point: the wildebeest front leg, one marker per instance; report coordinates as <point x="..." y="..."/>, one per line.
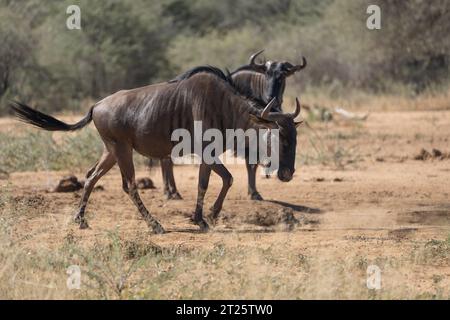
<point x="124" y="156"/>
<point x="170" y="188"/>
<point x="203" y="181"/>
<point x="227" y="181"/>
<point x="251" y="174"/>
<point x="106" y="162"/>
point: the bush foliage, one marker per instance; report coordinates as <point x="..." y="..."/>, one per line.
<point x="125" y="44"/>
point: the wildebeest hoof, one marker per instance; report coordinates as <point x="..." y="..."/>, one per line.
<point x="256" y="196"/>
<point x="204" y="227"/>
<point x="83" y="224"/>
<point x="174" y="196"/>
<point x="158" y="229"/>
<point x="81" y="221"/>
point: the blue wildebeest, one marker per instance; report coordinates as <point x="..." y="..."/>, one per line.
<point x="260" y="81"/>
<point x="143" y="119"/>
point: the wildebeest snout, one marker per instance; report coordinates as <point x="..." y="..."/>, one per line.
<point x="285" y="174"/>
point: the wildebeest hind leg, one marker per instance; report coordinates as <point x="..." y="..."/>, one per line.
<point x="124" y="155"/>
<point x="106" y="162"/>
<point x="203" y="181"/>
<point x="227" y="181"/>
<point x="170" y="188"/>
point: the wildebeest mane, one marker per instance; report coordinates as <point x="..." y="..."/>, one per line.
<point x="226" y="77"/>
<point x="245" y="68"/>
<point x="208" y="69"/>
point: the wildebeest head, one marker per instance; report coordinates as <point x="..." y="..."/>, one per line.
<point x="287" y="143"/>
<point x="276" y="73"/>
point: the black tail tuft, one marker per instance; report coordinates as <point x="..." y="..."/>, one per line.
<point x="46" y="122"/>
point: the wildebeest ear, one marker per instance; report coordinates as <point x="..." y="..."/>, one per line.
<point x="298" y="123"/>
<point x="262" y="122"/>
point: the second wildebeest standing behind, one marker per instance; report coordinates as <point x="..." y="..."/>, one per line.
<point x="143" y="119"/>
<point x="259" y="81"/>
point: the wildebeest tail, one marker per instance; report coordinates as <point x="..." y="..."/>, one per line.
<point x="36" y="118"/>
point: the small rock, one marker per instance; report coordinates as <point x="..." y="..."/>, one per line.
<point x="436" y="153"/>
<point x="145" y="183"/>
<point x="423" y="155"/>
<point x="68" y="184"/>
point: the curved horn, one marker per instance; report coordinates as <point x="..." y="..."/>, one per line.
<point x="253" y="57"/>
<point x="298" y="67"/>
<point x="297" y="109"/>
<point x="303" y="65"/>
<point x="266" y="111"/>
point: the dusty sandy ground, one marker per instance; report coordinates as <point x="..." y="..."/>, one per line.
<point x="380" y="205"/>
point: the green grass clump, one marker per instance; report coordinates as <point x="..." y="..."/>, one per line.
<point x="35" y="150"/>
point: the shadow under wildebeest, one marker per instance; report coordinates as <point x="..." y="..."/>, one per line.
<point x="295" y="207"/>
<point x="268" y="216"/>
<point x="245" y="230"/>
